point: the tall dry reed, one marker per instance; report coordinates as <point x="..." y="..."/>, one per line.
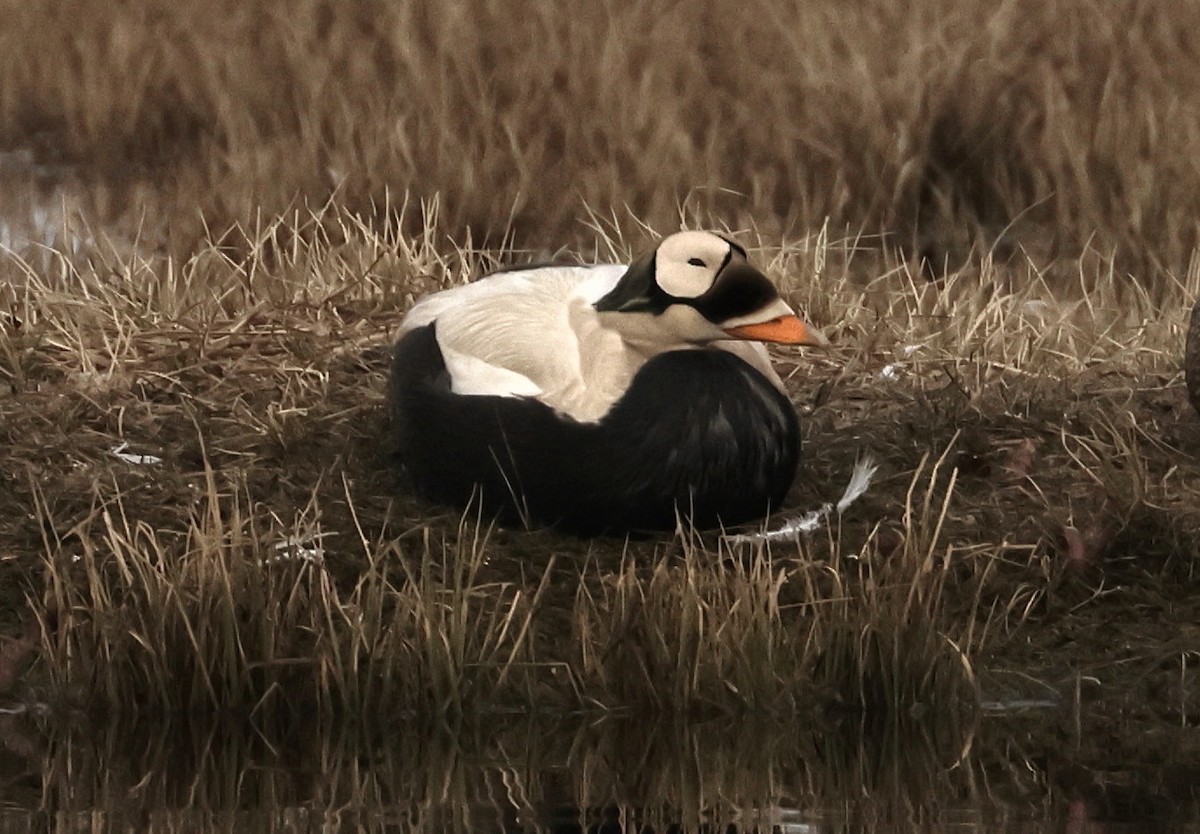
<point x="1038" y="130"/>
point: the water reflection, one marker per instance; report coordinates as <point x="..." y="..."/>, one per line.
<point x="37" y="205"/>
<point x="560" y="775"/>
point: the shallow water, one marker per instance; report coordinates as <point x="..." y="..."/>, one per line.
<point x="37" y="206"/>
<point x="567" y="775"/>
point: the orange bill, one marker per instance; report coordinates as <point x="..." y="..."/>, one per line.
<point x="785" y="330"/>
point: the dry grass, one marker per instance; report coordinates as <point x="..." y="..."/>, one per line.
<point x="244" y="200"/>
<point x="267" y="561"/>
<point x="1052" y="131"/>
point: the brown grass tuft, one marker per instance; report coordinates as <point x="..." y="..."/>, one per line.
<point x="1054" y="132"/>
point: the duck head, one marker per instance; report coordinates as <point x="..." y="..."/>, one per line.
<point x="696" y="288"/>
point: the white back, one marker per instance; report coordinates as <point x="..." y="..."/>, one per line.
<point x="535" y="333"/>
<point x="532" y="333"/>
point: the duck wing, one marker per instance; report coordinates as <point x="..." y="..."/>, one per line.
<point x="527" y="333"/>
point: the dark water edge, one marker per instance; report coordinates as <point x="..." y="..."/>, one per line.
<point x="572" y="774"/>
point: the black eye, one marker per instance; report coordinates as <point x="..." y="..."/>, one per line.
<point x="696" y="262"/>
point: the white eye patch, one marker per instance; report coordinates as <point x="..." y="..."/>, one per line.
<point x="686" y="264"/>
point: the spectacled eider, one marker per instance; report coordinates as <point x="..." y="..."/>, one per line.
<point x="603" y="399"/>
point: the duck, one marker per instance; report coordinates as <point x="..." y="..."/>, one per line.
<point x="603" y="399"/>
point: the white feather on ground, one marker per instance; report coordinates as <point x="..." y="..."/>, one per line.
<point x="118" y="451"/>
<point x="860" y="481"/>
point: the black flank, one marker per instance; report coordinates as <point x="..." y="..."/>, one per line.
<point x="698" y="431"/>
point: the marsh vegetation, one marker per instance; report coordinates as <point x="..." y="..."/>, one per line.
<point x="216" y="215"/>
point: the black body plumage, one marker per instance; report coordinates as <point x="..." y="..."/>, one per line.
<point x="698" y="434"/>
